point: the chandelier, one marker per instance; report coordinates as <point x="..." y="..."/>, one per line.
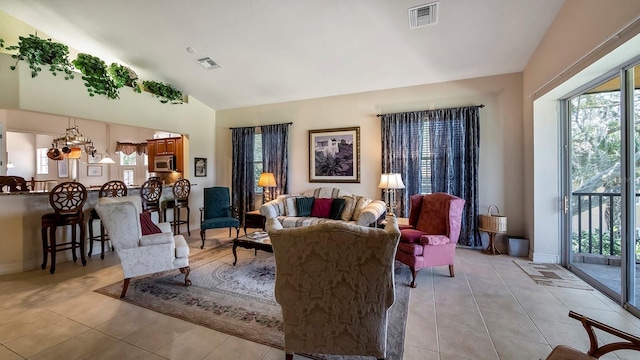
<point x="70" y="142"/>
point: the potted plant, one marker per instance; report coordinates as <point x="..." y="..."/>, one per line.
<point x="38" y="51"/>
<point x="123" y="76"/>
<point x="95" y="76"/>
<point x="165" y="92"/>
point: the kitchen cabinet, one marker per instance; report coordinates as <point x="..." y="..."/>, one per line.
<point x="166" y="146"/>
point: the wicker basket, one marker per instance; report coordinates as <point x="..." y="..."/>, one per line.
<point x="493" y="223"/>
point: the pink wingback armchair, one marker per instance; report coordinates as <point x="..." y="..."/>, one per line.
<point x="432" y="234"/>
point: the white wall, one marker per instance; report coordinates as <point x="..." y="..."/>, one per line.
<point x="21" y="151"/>
<point x="500" y="171"/>
<point x="572" y="43"/>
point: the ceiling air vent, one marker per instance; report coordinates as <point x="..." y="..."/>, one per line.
<point x="207" y="63"/>
<point x="423" y="15"/>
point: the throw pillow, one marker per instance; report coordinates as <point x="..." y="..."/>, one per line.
<point x="349" y="206"/>
<point x="321" y="207"/>
<point x="360" y="205"/>
<point x="147" y="225"/>
<point x="304" y="205"/>
<point x="290" y="206"/>
<point x="337" y="206"/>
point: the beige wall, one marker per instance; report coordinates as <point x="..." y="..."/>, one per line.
<point x="500" y="134"/>
<point x="571" y="44"/>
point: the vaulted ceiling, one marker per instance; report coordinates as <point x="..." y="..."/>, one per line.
<point x="284" y="50"/>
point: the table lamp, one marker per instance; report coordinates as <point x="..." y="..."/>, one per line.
<point x="390" y="182"/>
<point x="267" y="180"/>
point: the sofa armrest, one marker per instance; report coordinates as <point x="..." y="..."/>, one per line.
<point x="156" y="239"/>
<point x="165" y="227"/>
<point x="271" y="209"/>
<point x="371" y="213"/>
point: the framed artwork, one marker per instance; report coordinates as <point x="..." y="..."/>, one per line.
<point x="94" y="159"/>
<point x="334" y="155"/>
<point x="200" y="166"/>
<point x="63" y="168"/>
<point x="94" y="170"/>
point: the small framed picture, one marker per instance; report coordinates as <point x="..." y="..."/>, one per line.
<point x="63" y="168"/>
<point x="94" y="170"/>
<point x="94" y="159"/>
<point x="200" y="167"/>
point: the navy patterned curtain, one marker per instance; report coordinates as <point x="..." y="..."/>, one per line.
<point x="401" y="153"/>
<point x="446" y="143"/>
<point x="275" y="155"/>
<point x="242" y="175"/>
<point x="454" y="139"/>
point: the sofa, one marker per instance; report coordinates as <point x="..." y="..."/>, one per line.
<point x="323" y="205"/>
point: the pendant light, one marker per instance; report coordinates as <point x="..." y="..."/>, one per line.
<point x="106" y="159"/>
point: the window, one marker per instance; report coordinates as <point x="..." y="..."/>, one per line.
<point x="128" y="167"/>
<point x="42" y="161"/>
<point x="127" y="160"/>
<point x="425" y="162"/>
<point x="257" y="162"/>
<point x="128" y="177"/>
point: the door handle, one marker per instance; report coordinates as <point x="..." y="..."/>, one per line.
<point x="566" y="204"/>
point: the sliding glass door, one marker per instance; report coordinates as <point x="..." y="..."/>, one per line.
<point x="602" y="196"/>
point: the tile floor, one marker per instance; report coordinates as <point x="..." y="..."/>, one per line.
<point x="490" y="310"/>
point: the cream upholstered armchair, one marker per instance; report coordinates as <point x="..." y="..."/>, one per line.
<point x="141" y="254"/>
<point x="335" y="283"/>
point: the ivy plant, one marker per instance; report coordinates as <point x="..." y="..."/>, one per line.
<point x="38" y="52"/>
<point x="123" y="76"/>
<point x="95" y="76"/>
<point x="165" y="92"/>
<point x="1" y="43"/>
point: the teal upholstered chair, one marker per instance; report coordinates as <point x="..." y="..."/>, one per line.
<point x="217" y="212"/>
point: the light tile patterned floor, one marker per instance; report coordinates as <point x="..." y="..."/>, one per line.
<point x="490" y="310"/>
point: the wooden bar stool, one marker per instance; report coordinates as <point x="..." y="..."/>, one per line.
<point x="67" y="200"/>
<point x="113" y="188"/>
<point x="181" y="190"/>
<point x="150" y="193"/>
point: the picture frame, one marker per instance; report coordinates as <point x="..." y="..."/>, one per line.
<point x="334" y="155"/>
<point x="200" y="167"/>
<point x="95" y="159"/>
<point x="63" y="168"/>
<point x="94" y="170"/>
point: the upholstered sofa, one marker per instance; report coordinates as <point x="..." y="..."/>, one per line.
<point x="293" y="210"/>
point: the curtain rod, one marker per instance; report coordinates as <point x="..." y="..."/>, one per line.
<point x="480" y="106"/>
<point x="242" y="127"/>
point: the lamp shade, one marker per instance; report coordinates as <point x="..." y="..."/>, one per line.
<point x="267" y="180"/>
<point x="106" y="160"/>
<point x="391" y="181"/>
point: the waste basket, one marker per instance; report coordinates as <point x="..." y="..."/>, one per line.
<point x="517" y="246"/>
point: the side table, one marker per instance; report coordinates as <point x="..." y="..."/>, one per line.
<point x="491" y="247"/>
<point x="253" y="219"/>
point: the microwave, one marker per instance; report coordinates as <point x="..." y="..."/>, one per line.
<point x="164" y="163"/>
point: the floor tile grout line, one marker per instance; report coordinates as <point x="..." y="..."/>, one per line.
<point x="478" y="307"/>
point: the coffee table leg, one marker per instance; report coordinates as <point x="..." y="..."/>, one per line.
<point x="235" y="257"/>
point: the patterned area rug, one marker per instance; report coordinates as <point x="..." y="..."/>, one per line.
<point x="238" y="300"/>
<point x="552" y="275"/>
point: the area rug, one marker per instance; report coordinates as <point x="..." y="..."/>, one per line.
<point x="239" y="300"/>
<point x="552" y="275"/>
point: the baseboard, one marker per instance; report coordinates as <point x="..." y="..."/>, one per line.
<point x="11" y="268"/>
<point x="546" y="258"/>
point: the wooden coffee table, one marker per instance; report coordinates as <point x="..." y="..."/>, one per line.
<point x="248" y="242"/>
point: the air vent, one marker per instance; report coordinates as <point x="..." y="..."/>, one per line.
<point x="423" y="15"/>
<point x="207" y="63"/>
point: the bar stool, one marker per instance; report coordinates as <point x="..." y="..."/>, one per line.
<point x="113" y="188"/>
<point x="67" y="200"/>
<point x="181" y="190"/>
<point x="150" y="192"/>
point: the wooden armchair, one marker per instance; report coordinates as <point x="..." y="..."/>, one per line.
<point x="563" y="352"/>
